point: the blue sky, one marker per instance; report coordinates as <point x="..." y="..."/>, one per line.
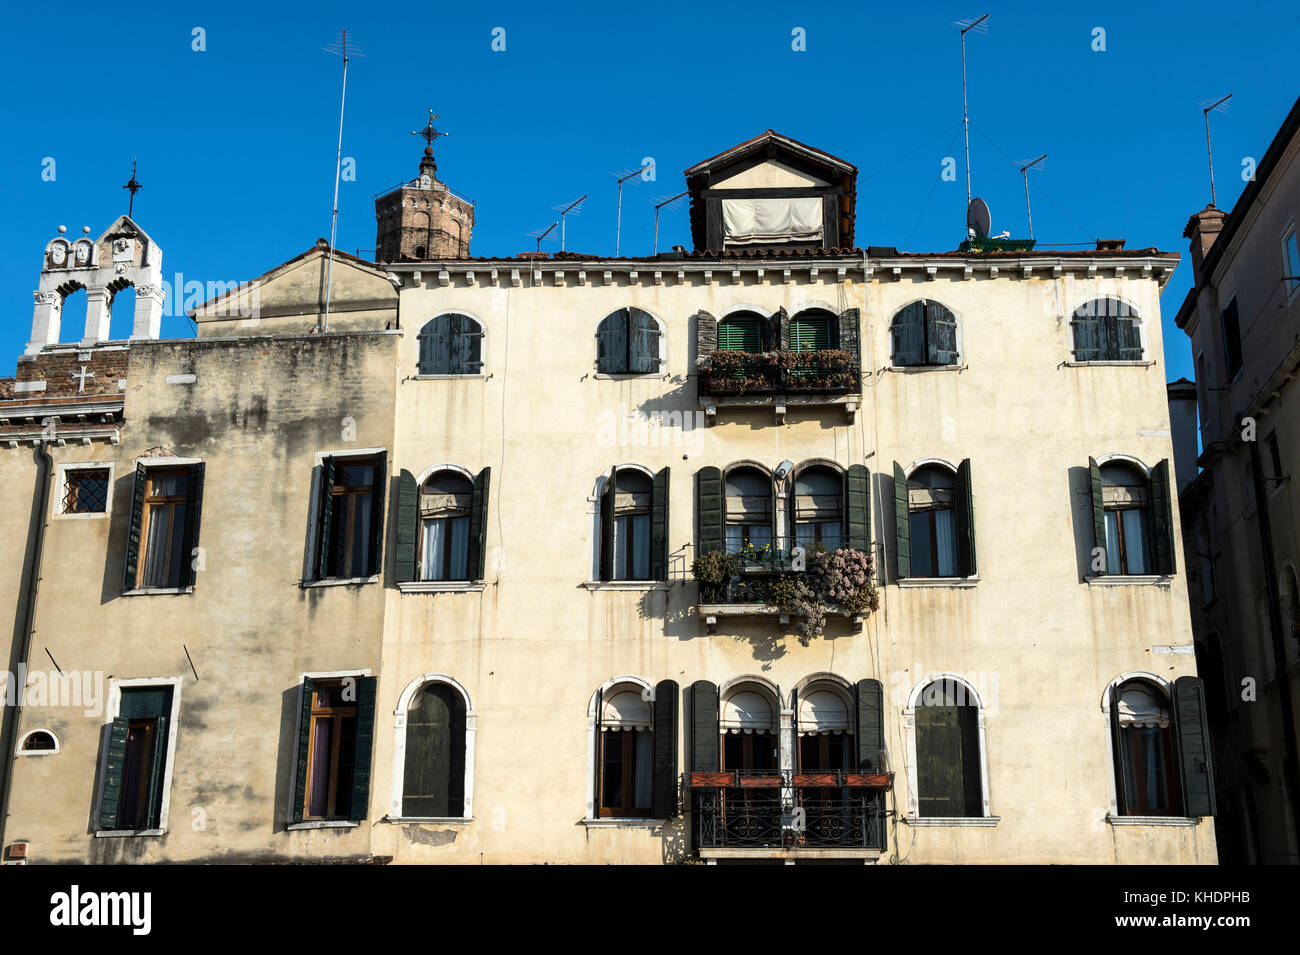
<point x="236" y="143"/>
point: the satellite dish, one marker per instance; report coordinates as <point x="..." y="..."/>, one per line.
<point x="977" y="218"/>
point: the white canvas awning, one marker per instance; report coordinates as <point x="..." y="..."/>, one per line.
<point x="1139" y="707"/>
<point x="823" y="711"/>
<point x="747" y="712"/>
<point x="772" y="220"/>
<point x="625" y="711"/>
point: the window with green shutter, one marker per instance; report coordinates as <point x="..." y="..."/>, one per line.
<point x="924" y="333"/>
<point x="811" y="331"/>
<point x="166" y="504"/>
<point x="450" y="345"/>
<point x="742" y="331"/>
<point x="350" y="516"/>
<point x="134" y="778"/>
<point x="336" y="737"/>
<point x="1106" y="329"/>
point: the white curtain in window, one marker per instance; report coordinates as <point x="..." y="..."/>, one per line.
<point x="776" y="219"/>
<point x="946" y="539"/>
<point x="155" y="553"/>
<point x="633" y="530"/>
<point x="1113" y="565"/>
<point x="1135" y="546"/>
<point x="435" y="565"/>
<point x="645" y="770"/>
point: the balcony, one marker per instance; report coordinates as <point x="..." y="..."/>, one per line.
<point x="780" y="380"/>
<point x="783" y="812"/>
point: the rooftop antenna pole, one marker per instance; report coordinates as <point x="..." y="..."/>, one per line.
<point x="1206" y="108"/>
<point x="564" y="212"/>
<point x="965" y="117"/>
<point x="618" y="232"/>
<point x="543" y="235"/>
<point x="340" y="48"/>
<point x="134" y="187"/>
<point x="1024" y="171"/>
<point x="657" y="208"/>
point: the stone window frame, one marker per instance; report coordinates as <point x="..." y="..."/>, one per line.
<point x="61" y="488"/>
<point x="914" y="817"/>
<point x="399" y="750"/>
<point x="111" y="709"/>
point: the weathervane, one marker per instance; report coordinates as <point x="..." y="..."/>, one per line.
<point x="429" y="133"/>
<point x="134" y="187"/>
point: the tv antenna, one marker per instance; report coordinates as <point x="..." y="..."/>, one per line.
<point x="339" y="48"/>
<point x="540" y="234"/>
<point x="618" y="231"/>
<point x="1024" y="171"/>
<point x="1216" y="106"/>
<point x="658" y="206"/>
<point x="966" y="26"/>
<point x="134" y="186"/>
<point x="564" y="212"/>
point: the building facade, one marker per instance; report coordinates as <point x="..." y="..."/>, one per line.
<point x="778" y="549"/>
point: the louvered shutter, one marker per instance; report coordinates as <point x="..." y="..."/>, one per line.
<point x="1117" y="749"/>
<point x="364" y="739"/>
<point x="741" y="333"/>
<point x="378" y="493"/>
<point x="778" y="331"/>
<point x="130" y="572"/>
<point x="709" y="509"/>
<point x="478" y="514"/>
<point x="611" y="343"/>
<point x="325" y="519"/>
<point x="157" y="771"/>
<point x="607" y="526"/>
<point x="902" y="526"/>
<point x="847" y="332"/>
<point x="665" y="750"/>
<point x="705" y="755"/>
<point x="857" y="507"/>
<point x="810" y="333"/>
<point x="193" y="514"/>
<point x="964" y="517"/>
<point x="1130" y="335"/>
<point x="114" y="766"/>
<point x="909" y="335"/>
<point x="407" y="517"/>
<point x="1194" y="760"/>
<point x="464" y="336"/>
<point x="304" y="739"/>
<point x="1098" y="515"/>
<point x="1108" y="333"/>
<point x="1162" y="518"/>
<point x="1087" y="334"/>
<point x="643" y="351"/>
<point x="871" y="725"/>
<point x="659" y="527"/>
<point x="940" y="335"/>
<point x="599" y="767"/>
<point x="438" y="352"/>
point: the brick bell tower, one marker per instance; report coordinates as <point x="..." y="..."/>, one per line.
<point x="423" y="219"/>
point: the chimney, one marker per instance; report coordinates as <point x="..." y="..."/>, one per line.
<point x="1182" y="422"/>
<point x="1203" y="228"/>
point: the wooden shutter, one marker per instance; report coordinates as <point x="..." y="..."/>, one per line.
<point x="1087" y="334"/>
<point x="810" y="333"/>
<point x="407" y="516"/>
<point x="130" y="571"/>
<point x="857" y="507"/>
<point x="425" y="366"/>
<point x="304" y="738"/>
<point x="1130" y="335"/>
<point x="598" y="764"/>
<point x="325" y="519"/>
<point x="114" y="765"/>
<point x="365" y="741"/>
<point x="902" y="526"/>
<point x="157" y="770"/>
<point x="741" y="333"/>
<point x="705" y="755"/>
<point x="847" y="334"/>
<point x="909" y="335"/>
<point x="964" y="518"/>
<point x="665" y="749"/>
<point x="1194" y="761"/>
<point x="778" y="331"/>
<point x="433" y="776"/>
<point x="611" y="343"/>
<point x="643" y="348"/>
<point x="378" y="493"/>
<point x="439" y="336"/>
<point x="607" y="525"/>
<point x="938" y="762"/>
<point x="659" y="529"/>
<point x="1117" y="749"/>
<point x="940" y="335"/>
<point x="465" y="345"/>
<point x="870" y="725"/>
<point x="478" y="514"/>
<point x="706" y="335"/>
<point x="1162" y="518"/>
<point x="709" y="509"/>
<point x="193" y="513"/>
<point x="1098" y="514"/>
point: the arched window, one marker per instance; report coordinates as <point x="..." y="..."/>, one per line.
<point x="1126" y="501"/>
<point x="826" y="729"/>
<point x="1106" y="329"/>
<point x="743" y="331"/>
<point x="39" y="743"/>
<point x="814" y="330"/>
<point x="626" y="752"/>
<point x="924" y="333"/>
<point x="1141" y="723"/>
<point x="932" y="519"/>
<point x="627" y="342"/>
<point x="625" y="507"/>
<point x="949" y="762"/>
<point x="446" y="499"/>
<point x="818" y="508"/>
<point x="748" y="721"/>
<point x="749" y="510"/>
<point x="433" y="784"/>
<point x="451" y="345"/>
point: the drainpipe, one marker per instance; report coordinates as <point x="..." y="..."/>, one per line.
<point x="22" y="652"/>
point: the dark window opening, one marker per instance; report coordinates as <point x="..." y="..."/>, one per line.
<point x="434" y="774"/>
<point x="933" y="524"/>
<point x="948" y="771"/>
<point x="1126" y="500"/>
<point x="331" y="746"/>
<point x="39" y="742"/>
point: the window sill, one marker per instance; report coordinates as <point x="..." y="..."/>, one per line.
<point x="340" y="582"/>
<point x="1186" y="822"/>
<point x="1143" y="363"/>
<point x="628" y="375"/>
<point x="917" y="369"/>
<point x="478" y="375"/>
<point x="144" y="591"/>
<point x="441" y="586"/>
<point x="428" y="820"/>
<point x="955" y="583"/>
<point x="972" y="822"/>
<point x="1129" y="580"/>
<point x="324" y="824"/>
<point x="127" y="833"/>
<point x="615" y="822"/>
<point x="644" y="585"/>
<point x="85" y="515"/>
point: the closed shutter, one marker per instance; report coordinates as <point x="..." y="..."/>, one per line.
<point x="706" y="335"/>
<point x="1162" y="518"/>
<point x="607" y="525"/>
<point x="1117" y="750"/>
<point x="378" y="492"/>
<point x="325" y="519"/>
<point x="847" y="334"/>
<point x="157" y="772"/>
<point x="1108" y="331"/>
<point x="1194" y="761"/>
<point x="857" y="507"/>
<point x="902" y="526"/>
<point x="909" y="335"/>
<point x="741" y="333"/>
<point x="705" y="757"/>
<point x="365" y="740"/>
<point x="810" y="333"/>
<point x="435" y="347"/>
<point x="611" y="344"/>
<point x="1098" y="516"/>
<point x="1087" y="334"/>
<point x="114" y="765"/>
<point x="709" y="509"/>
<point x="304" y="738"/>
<point x="947" y="756"/>
<point x="659" y="527"/>
<point x="665" y="749"/>
<point x="407" y="517"/>
<point x="478" y="513"/>
<point x="940" y="335"/>
<point x="193" y="513"/>
<point x="964" y="517"/>
<point x="464" y="337"/>
<point x="778" y="331"/>
<point x="643" y="349"/>
<point x="871" y="725"/>
<point x="1130" y="335"/>
<point x="130" y="571"/>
